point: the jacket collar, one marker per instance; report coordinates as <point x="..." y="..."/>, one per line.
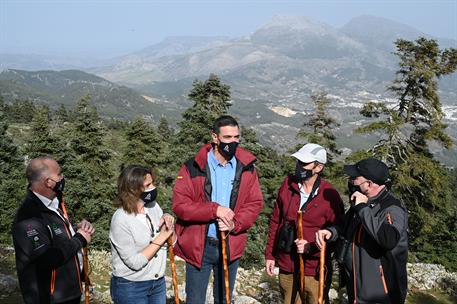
<point x="372" y="201"/>
<point x="243" y="156"/>
<point x="35" y="201"/>
<point x="293" y="184"/>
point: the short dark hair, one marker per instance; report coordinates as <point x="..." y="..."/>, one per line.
<point x="223" y="121"/>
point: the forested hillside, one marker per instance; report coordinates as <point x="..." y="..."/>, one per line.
<point x="92" y="150"/>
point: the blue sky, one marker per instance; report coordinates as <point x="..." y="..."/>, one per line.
<point x="115" y="27"/>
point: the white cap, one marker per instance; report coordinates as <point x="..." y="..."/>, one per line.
<point x="310" y="153"/>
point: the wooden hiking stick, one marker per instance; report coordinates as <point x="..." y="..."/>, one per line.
<point x="224" y="263"/>
<point x="85" y="260"/>
<point x="86" y="276"/>
<point x="300" y="256"/>
<point x="322" y="274"/>
<point x="171" y="253"/>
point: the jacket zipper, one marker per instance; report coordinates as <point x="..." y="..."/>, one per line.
<point x="383" y="279"/>
<point x="53" y="281"/>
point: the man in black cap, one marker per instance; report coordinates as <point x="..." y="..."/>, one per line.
<point x="373" y="242"/>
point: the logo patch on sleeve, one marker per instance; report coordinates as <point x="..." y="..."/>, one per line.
<point x="31" y="232"/>
<point x="37" y="243"/>
<point x="56" y="229"/>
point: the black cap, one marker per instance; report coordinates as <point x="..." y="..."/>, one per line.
<point x="370" y="168"/>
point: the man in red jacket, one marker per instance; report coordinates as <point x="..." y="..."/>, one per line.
<point x="216" y="191"/>
<point x="321" y="206"/>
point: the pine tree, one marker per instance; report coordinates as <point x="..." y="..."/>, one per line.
<point x="406" y="130"/>
<point x="61" y="115"/>
<point x="211" y="99"/>
<point x="88" y="170"/>
<point x="143" y="145"/>
<point x="320" y="126"/>
<point x="21" y="111"/>
<point x="164" y="130"/>
<point x="12" y="178"/>
<point x="41" y="141"/>
<point x="418" y="107"/>
<point x="87" y="141"/>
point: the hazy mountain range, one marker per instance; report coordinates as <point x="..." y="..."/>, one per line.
<point x="66" y="87"/>
<point x="272" y="73"/>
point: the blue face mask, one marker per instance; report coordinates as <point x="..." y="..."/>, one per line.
<point x="149" y="196"/>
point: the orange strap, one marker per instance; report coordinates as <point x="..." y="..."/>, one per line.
<point x="64" y="210"/>
<point x="389" y="219"/>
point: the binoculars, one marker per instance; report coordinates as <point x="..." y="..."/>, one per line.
<point x="342" y="248"/>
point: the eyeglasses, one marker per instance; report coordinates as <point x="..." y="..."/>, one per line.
<point x="306" y="164"/>
<point x="353" y="180"/>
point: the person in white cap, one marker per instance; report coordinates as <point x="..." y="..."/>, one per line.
<point x="322" y="207"/>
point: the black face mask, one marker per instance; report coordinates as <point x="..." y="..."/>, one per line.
<point x="302" y="174"/>
<point x="149" y="197"/>
<point x="353" y="188"/>
<point x="59" y="186"/>
<point x="227" y="149"/>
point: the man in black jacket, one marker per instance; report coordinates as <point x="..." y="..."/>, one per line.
<point x="373" y="243"/>
<point x="48" y="250"/>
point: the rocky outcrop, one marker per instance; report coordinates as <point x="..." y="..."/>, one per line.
<point x="251" y="287"/>
<point x="431" y="276"/>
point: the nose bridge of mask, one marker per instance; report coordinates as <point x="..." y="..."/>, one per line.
<point x="228" y="149"/>
<point x="148" y="193"/>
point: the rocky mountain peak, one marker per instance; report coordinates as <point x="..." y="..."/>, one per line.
<point x="297" y="23"/>
<point x="379" y="32"/>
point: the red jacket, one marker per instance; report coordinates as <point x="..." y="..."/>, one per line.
<point x="193" y="206"/>
<point x="324" y="210"/>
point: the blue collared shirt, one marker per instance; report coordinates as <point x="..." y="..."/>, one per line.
<point x="221" y="182"/>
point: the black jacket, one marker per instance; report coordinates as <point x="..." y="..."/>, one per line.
<point x="376" y="257"/>
<point x="46" y="254"/>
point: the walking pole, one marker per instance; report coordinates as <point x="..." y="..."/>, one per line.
<point x="171" y="253"/>
<point x="86" y="276"/>
<point x="224" y="263"/>
<point x="85" y="260"/>
<point x="300" y="256"/>
<point x="322" y="274"/>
